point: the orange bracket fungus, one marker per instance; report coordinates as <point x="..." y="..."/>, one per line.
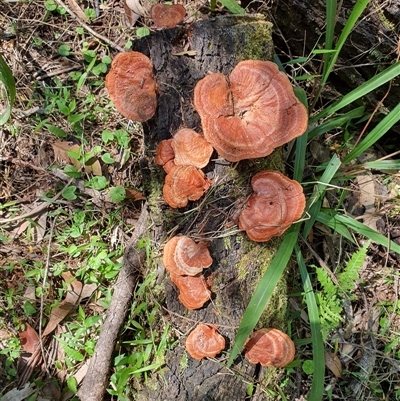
<point x="184" y="183"/>
<point x="193" y="290"/>
<point x="204" y="342"/>
<point x="183" y="256"/>
<point x="165" y="155"/>
<point x="270" y="347"/>
<point x="167" y="16"/>
<point x="191" y="148"/>
<point x="131" y="86"/>
<point x="251" y="113"/>
<point x="276" y="203"/>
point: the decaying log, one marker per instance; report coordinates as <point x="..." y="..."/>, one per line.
<point x="96" y="379"/>
<point x="181" y="57"/>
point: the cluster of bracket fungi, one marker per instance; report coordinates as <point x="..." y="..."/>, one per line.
<point x="243" y="116"/>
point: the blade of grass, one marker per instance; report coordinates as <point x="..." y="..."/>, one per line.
<point x="264" y="290"/>
<point x="233" y="6"/>
<point x="381" y="129"/>
<point x="336" y="122"/>
<point x="385" y="76"/>
<point x="300" y="157"/>
<point x="330" y="19"/>
<point x="340" y="228"/>
<point x="7" y="96"/>
<point x="317" y="384"/>
<point x="364" y="230"/>
<point x="348" y="27"/>
<point x="315" y="201"/>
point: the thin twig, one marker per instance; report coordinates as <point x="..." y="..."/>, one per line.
<point x="89" y="29"/>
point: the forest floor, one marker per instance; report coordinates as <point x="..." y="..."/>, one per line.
<point x="64" y="225"/>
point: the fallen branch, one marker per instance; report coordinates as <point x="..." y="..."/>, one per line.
<point x="96" y="380"/>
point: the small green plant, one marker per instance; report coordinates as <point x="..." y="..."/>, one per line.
<point x="7" y="91"/>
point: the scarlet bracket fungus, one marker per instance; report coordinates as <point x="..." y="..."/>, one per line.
<point x="183" y="256"/>
<point x="204" y="342"/>
<point x="251" y="113"/>
<point x="270" y="347"/>
<point x="131" y="86"/>
<point x="184" y="183"/>
<point x="165" y="155"/>
<point x="167" y="16"/>
<point x="191" y="148"/>
<point x="193" y="290"/>
<point x="276" y="203"/>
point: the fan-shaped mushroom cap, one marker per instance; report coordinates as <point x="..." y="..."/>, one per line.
<point x="131" y="86"/>
<point x="276" y="203"/>
<point x="193" y="290"/>
<point x="191" y="148"/>
<point x="165" y="155"/>
<point x="270" y="347"/>
<point x="166" y="15"/>
<point x="204" y="342"/>
<point x="251" y="114"/>
<point x="183" y="256"/>
<point x="184" y="183"/>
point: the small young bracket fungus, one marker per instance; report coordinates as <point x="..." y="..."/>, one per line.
<point x="167" y="16"/>
<point x="165" y="155"/>
<point x="270" y="347"/>
<point x="251" y="113"/>
<point x="193" y="290"/>
<point x="184" y="183"/>
<point x="204" y="342"/>
<point x="131" y="86"/>
<point x="183" y="256"/>
<point x="276" y="203"/>
<point x="191" y="148"/>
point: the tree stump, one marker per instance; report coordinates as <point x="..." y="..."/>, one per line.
<point x="182" y="56"/>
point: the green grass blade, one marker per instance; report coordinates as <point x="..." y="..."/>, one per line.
<point x="385" y="76"/>
<point x="7" y="96"/>
<point x="336" y="122"/>
<point x="331" y="9"/>
<point x="314" y="203"/>
<point x="381" y="129"/>
<point x="317" y="384"/>
<point x="357" y="10"/>
<point x="300" y="157"/>
<point x="333" y="223"/>
<point x="366" y="232"/>
<point x="233" y="6"/>
<point x="264" y="290"/>
<point x="382" y="165"/>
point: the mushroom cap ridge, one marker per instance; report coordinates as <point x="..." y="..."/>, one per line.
<point x="131" y="86"/>
<point x="251" y="113"/>
<point x="277" y="202"/>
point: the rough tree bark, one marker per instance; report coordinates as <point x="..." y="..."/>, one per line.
<point x="181" y="57"/>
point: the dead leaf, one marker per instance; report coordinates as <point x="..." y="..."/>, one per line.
<point x="73" y="5"/>
<point x="20" y="394"/>
<point x="93" y="166"/>
<point x="29" y="339"/>
<point x="133" y="194"/>
<point x="61" y="148"/>
<point x="333" y="363"/>
<point x="76" y="292"/>
<point x="185" y="53"/>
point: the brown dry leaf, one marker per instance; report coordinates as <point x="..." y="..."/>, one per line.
<point x="93" y="166"/>
<point x="134" y="195"/>
<point x="29" y="339"/>
<point x="333" y="363"/>
<point x="61" y="148"/>
<point x="76" y="292"/>
<point x="73" y="5"/>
